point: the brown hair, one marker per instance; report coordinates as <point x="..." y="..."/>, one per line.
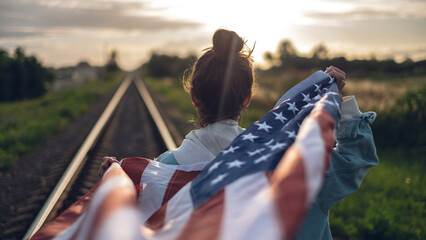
<point x="222" y="78"/>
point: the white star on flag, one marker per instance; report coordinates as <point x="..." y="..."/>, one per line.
<point x="291" y="134"/>
<point x="317" y="88"/>
<point x="236" y="163"/>
<point x="262" y="159"/>
<point x="279" y="116"/>
<point x="230" y="149"/>
<point x="214" y="166"/>
<point x="258" y="151"/>
<point x="308" y="105"/>
<point x="250" y="137"/>
<point x="218" y="178"/>
<point x="263" y="126"/>
<point x="292" y="107"/>
<point x="269" y="143"/>
<point x="306" y="97"/>
<point x="277" y="146"/>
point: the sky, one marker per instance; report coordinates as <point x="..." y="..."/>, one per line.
<point x="65" y="32"/>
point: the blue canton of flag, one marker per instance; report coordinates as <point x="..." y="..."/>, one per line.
<point x="261" y="146"/>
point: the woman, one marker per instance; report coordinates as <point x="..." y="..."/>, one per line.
<point x="221" y="86"/>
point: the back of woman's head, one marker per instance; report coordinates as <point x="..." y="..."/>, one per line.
<point x="221" y="79"/>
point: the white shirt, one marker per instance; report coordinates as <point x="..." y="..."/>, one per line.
<point x="204" y="144"/>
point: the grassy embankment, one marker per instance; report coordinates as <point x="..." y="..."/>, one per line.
<point x="391" y="201"/>
<point x="26" y="124"/>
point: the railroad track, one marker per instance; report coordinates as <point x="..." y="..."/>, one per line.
<point x="129" y="126"/>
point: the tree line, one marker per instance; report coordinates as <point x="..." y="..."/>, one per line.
<point x="162" y="65"/>
<point x="22" y="77"/>
<point x="287" y="57"/>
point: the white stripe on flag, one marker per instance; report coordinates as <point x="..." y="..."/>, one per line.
<point x="104" y="189"/>
<point x="249" y="210"/>
<point x="122" y="224"/>
<point x="154" y="182"/>
<point x="310" y="145"/>
<point x="179" y="209"/>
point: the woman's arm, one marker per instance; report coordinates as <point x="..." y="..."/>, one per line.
<point x="354" y="155"/>
<point x="106" y="163"/>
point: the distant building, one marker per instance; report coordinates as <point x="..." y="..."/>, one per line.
<point x="68" y="77"/>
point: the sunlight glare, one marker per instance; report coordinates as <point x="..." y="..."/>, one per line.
<point x="264" y="22"/>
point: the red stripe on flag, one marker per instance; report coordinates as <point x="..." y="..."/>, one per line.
<point x="111" y="173"/>
<point x="205" y="221"/>
<point x="269" y="176"/>
<point x="289" y="181"/>
<point x="65" y="219"/>
<point x="289" y="190"/>
<point x="134" y="168"/>
<point x="71" y="214"/>
<point x="177" y="181"/>
<point x="326" y="123"/>
<point x="156" y="221"/>
<point x="116" y="199"/>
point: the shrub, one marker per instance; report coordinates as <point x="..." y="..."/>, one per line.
<point x="403" y="124"/>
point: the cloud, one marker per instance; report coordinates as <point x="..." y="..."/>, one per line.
<point x="5" y="33"/>
<point x="374" y="10"/>
<point x="44" y="15"/>
<point x="357" y="13"/>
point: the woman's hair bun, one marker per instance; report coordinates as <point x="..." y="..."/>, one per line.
<point x="226" y="42"/>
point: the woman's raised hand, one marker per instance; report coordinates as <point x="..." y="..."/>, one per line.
<point x="338" y="75"/>
<point x="106" y="163"/>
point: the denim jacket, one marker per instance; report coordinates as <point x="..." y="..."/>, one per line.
<point x="354" y="154"/>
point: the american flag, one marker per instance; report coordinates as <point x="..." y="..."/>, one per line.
<point x="260" y="187"/>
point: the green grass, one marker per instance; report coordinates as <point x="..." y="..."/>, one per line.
<point x="173" y="91"/>
<point x="179" y="105"/>
<point x="376" y="93"/>
<point x="391" y="203"/>
<point x="26" y="124"/>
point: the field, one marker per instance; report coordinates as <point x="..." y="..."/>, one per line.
<point x="391" y="201"/>
<point x="25" y="124"/>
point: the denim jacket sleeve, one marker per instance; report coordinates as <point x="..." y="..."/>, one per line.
<point x="167" y="158"/>
<point x="354" y="155"/>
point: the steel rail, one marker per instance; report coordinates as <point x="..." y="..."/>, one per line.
<point x="69" y="175"/>
<point x="158" y="120"/>
<point x="78" y="159"/>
